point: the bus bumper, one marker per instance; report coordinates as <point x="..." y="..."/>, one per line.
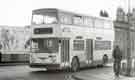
<point x="47" y="66"/>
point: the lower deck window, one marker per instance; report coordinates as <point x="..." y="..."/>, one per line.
<point x="78" y="44"/>
<point x="102" y="45"/>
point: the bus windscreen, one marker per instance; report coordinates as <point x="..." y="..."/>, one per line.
<point x="45" y="45"/>
<point x="45" y="18"/>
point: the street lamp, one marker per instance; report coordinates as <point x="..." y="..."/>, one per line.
<point x="129" y="58"/>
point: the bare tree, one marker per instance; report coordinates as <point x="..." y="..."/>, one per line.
<point x="104" y="13"/>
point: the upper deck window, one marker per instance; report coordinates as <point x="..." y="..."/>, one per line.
<point x="88" y="21"/>
<point x="99" y="24"/>
<point x="44" y="18"/>
<point x="38" y="19"/>
<point x="78" y="20"/>
<point x="65" y="18"/>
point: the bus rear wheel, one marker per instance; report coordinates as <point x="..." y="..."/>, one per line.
<point x="75" y="64"/>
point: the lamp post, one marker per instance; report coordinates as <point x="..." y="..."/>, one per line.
<point x="129" y="58"/>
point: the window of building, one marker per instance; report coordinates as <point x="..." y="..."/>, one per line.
<point x="78" y="44"/>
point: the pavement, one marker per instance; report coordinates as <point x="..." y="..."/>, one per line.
<point x="101" y="77"/>
<point x="106" y="75"/>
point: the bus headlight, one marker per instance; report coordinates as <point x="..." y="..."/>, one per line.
<point x="65" y="64"/>
<point x="32" y="59"/>
<point x="53" y="59"/>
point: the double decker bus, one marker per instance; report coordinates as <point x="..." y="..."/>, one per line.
<point x="63" y="40"/>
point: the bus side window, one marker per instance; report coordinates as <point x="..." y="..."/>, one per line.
<point x="78" y="45"/>
<point x="49" y="43"/>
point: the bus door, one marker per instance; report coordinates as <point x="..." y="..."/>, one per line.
<point x="65" y="50"/>
<point x="89" y="50"/>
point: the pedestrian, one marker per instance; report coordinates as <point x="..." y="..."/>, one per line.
<point x="0" y="53"/>
<point x="117" y="56"/>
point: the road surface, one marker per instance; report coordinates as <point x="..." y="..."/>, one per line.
<point x="23" y="72"/>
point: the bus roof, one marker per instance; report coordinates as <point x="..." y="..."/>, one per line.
<point x="42" y="10"/>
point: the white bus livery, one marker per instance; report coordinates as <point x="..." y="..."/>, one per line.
<point x="62" y="39"/>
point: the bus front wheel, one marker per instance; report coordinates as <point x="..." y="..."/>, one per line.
<point x="75" y="64"/>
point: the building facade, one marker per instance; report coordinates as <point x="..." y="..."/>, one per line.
<point x="121" y="31"/>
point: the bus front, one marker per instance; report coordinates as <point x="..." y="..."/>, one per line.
<point x="45" y="43"/>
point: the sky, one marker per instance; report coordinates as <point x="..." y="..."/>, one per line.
<point x="18" y="12"/>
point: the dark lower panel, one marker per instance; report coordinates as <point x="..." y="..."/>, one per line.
<point x="14" y="58"/>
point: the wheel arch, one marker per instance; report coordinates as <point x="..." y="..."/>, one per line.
<point x="76" y="58"/>
<point x="105" y="58"/>
<point x="78" y="62"/>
